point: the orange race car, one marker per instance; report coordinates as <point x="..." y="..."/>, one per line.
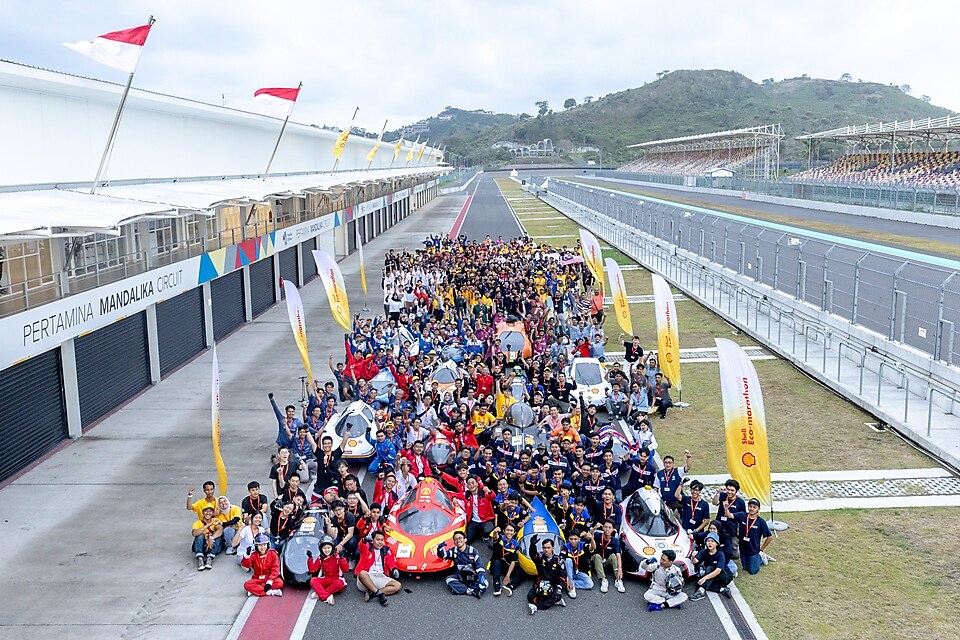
<point x="512" y="340"/>
<point x="425" y="517"/>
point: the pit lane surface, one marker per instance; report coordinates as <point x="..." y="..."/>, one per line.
<point x="489" y="213"/>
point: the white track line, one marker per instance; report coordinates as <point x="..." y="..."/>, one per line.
<point x="725" y="618"/>
<point x="300" y="628"/>
<point x="242" y="618"/>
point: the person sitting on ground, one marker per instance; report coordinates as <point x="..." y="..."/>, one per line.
<point x="661" y="395"/>
<point x="265" y="564"/>
<point x="605" y="546"/>
<point x="376" y="570"/>
<point x="504" y="559"/>
<point x="666" y="582"/>
<point x="547" y="589"/>
<point x="712" y="573"/>
<point x="330" y="568"/>
<point x="576" y="559"/>
<point x="230" y="516"/>
<point x="468" y="576"/>
<point x="207" y="538"/>
<point x="248" y="534"/>
<point x="282" y="471"/>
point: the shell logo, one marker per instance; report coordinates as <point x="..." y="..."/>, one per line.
<point x="425" y="491"/>
<point x="594" y="390"/>
<point x="748" y="459"/>
<point x="351" y="443"/>
<point x="649" y="551"/>
<point x="539" y="521"/>
<point x="669" y="357"/>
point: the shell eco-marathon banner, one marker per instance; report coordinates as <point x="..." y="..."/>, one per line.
<point x="34" y="331"/>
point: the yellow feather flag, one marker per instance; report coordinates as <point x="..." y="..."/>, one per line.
<point x="413" y="149"/>
<point x="376" y="147"/>
<point x="748" y="456"/>
<point x="422" y="147"/>
<point x="298" y="323"/>
<point x="397" y="147"/>
<point x="215" y="419"/>
<point x="341" y="143"/>
<point x="336" y="291"/>
<point x="619" y="290"/>
<point x="668" y="333"/>
<point x="592" y="255"/>
<point x="363" y="271"/>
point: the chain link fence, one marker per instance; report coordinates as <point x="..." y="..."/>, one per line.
<point x="908" y="302"/>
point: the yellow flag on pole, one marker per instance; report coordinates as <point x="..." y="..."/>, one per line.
<point x="215" y="419"/>
<point x="619" y="290"/>
<point x="363" y="271"/>
<point x="413" y="149"/>
<point x="422" y="147"/>
<point x="376" y="147"/>
<point x="668" y="333"/>
<point x="336" y="291"/>
<point x="592" y="255"/>
<point x="397" y="147"/>
<point x="748" y="456"/>
<point x="298" y="323"/>
<point x="341" y="143"/>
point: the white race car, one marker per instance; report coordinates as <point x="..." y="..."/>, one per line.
<point x="587" y="374"/>
<point x="351" y="423"/>
<point x="648" y="528"/>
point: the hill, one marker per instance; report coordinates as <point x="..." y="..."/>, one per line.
<point x="452" y="122"/>
<point x="690" y="102"/>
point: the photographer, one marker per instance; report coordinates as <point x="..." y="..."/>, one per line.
<point x="468" y="577"/>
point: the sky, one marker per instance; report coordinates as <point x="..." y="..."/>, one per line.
<point x="404" y="60"/>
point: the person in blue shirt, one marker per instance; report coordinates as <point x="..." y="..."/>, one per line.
<point x="712" y="572"/>
<point x="753" y="535"/>
<point x="469" y="576"/>
<point x="576" y="558"/>
<point x="728" y="498"/>
<point x="643" y="471"/>
<point x="605" y="545"/>
<point x="695" y="512"/>
<point x="385" y="453"/>
<point x="287" y="422"/>
<point x="610" y="472"/>
<point x="670" y="478"/>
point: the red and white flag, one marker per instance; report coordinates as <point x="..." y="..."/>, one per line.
<point x="277" y="95"/>
<point x="117" y="49"/>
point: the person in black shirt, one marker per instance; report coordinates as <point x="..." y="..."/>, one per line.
<point x="712" y="573"/>
<point x="547" y="590"/>
<point x="253" y="503"/>
<point x="504" y="559"/>
<point x="633" y="350"/>
<point x="341" y="526"/>
<point x="560" y="392"/>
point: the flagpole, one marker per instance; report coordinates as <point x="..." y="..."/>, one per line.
<point x="116" y="125"/>
<point x="370" y="163"/>
<point x="282" y="129"/>
<point x="336" y="162"/>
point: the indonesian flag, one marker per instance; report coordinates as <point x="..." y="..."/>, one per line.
<point x="117" y="49"/>
<point x="280" y="96"/>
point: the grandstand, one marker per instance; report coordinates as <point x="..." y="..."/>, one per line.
<point x="753" y="152"/>
<point x="885" y="154"/>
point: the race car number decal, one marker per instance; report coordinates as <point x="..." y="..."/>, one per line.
<point x="404" y="550"/>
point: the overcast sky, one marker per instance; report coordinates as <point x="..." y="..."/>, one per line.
<point x="405" y="59"/>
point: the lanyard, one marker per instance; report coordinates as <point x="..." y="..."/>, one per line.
<point x="693" y="510"/>
<point x="749" y="526"/>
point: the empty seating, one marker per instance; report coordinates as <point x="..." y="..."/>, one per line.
<point x="938" y="170"/>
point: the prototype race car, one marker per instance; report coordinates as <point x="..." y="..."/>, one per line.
<point x="523" y="425"/>
<point x="439" y="451"/>
<point x="611" y="438"/>
<point x="352" y="423"/>
<point x="417" y="524"/>
<point x="307" y="537"/>
<point x="446" y="375"/>
<point x="541" y="526"/>
<point x="587" y="374"/>
<point x="405" y="336"/>
<point x="648" y="528"/>
<point x="511" y="340"/>
<point x="385" y="384"/>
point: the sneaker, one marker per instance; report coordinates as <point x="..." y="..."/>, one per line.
<point x="725" y="592"/>
<point x="572" y="592"/>
<point x="604" y="585"/>
<point x="330" y="601"/>
<point x="476" y="593"/>
<point x="497" y="590"/>
<point x="654" y="607"/>
<point x="562" y="603"/>
<point x="699" y="594"/>
<point x="209" y="563"/>
<point x="382" y="599"/>
<point x="366" y="596"/>
<point x="532" y="607"/>
<point x="200" y="564"/>
<point x="619" y="585"/>
<point x="764" y="558"/>
<point x="231" y="551"/>
<point x="275" y="592"/>
<point x="508" y="590"/>
<point x="313" y="595"/>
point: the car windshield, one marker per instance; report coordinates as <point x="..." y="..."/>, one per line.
<point x="646" y="522"/>
<point x="617" y="444"/>
<point x="295" y="553"/>
<point x="520" y="415"/>
<point x="511" y="341"/>
<point x="439" y="453"/>
<point x="444" y="375"/>
<point x="423" y="523"/>
<point x="588" y="373"/>
<point x="452" y="352"/>
<point x="524" y="544"/>
<point x="351" y="426"/>
<point x="383" y="383"/>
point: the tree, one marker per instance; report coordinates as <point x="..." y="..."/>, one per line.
<point x="569" y="103"/>
<point x="660" y="74"/>
<point x="905" y="88"/>
<point x="846" y="77"/>
<point x="542" y="107"/>
<point x="587" y="99"/>
<point x="768" y="81"/>
<point x="925" y="98"/>
<point x="524" y="116"/>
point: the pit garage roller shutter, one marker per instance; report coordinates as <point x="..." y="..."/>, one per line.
<point x="31" y="390"/>
<point x="261" y="286"/>
<point x="306" y="259"/>
<point x="112" y="366"/>
<point x="226" y="294"/>
<point x="288" y="265"/>
<point x="180" y="329"/>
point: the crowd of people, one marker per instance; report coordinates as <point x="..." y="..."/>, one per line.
<point x="452" y="294"/>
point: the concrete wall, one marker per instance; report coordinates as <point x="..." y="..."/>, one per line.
<point x="55" y="126"/>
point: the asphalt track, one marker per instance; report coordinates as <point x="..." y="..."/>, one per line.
<point x="489" y="213"/>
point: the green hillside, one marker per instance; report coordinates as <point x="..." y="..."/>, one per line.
<point x="691" y="102"/>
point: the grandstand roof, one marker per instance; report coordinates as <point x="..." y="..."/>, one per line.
<point x="749" y="135"/>
<point x="945" y="128"/>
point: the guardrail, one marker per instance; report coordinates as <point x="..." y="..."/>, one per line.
<point x="461" y="188"/>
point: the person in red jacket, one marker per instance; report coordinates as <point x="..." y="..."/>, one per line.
<point x="265" y="564"/>
<point x="332" y="568"/>
<point x="376" y="570"/>
<point x="478" y="506"/>
<point x="419" y="464"/>
<point x="385" y="490"/>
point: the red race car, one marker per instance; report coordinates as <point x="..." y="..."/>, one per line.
<point x="424" y="518"/>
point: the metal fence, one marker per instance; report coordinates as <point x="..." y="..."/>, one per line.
<point x="908" y="302"/>
<point x="891" y="197"/>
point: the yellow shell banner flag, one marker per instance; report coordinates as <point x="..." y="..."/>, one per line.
<point x="336" y="291"/>
<point x="363" y="270"/>
<point x="748" y="457"/>
<point x="298" y="323"/>
<point x="619" y="291"/>
<point x="215" y="419"/>
<point x="668" y="333"/>
<point x="413" y="149"/>
<point x="592" y="255"/>
<point x="341" y="143"/>
<point x="396" y="148"/>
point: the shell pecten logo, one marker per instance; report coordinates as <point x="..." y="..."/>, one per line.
<point x="669" y="357"/>
<point x="748" y="459"/>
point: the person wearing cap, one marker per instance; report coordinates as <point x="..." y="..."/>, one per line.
<point x="753" y="535"/>
<point x="207" y="535"/>
<point x="330" y="569"/>
<point x="265" y="565"/>
<point x="712" y="573"/>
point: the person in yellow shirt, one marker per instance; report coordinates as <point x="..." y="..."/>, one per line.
<point x="231" y="517"/>
<point x="209" y="499"/>
<point x="207" y="538"/>
<point x="482" y="421"/>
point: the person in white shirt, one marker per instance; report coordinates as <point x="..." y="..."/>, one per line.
<point x="406" y="481"/>
<point x="666" y="582"/>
